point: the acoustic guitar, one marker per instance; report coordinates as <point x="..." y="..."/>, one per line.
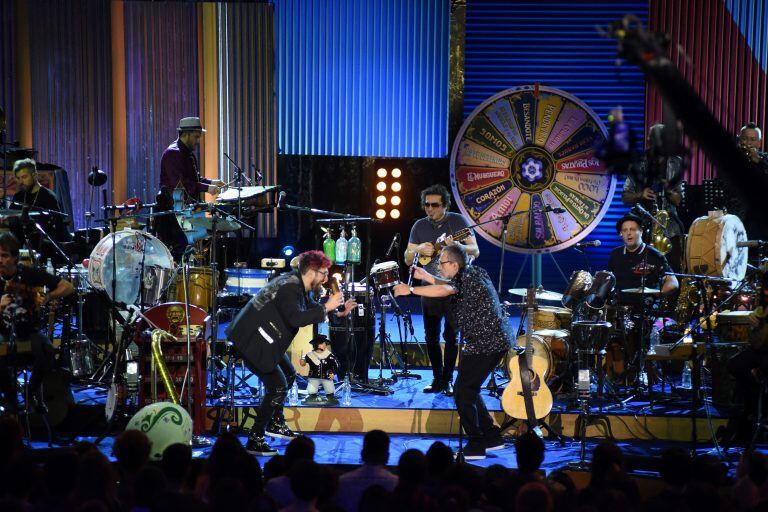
<point x="527" y="396"/>
<point x="440" y="243"/>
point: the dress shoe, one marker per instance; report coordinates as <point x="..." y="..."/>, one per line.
<point x="448" y="389"/>
<point x="436" y="387"/>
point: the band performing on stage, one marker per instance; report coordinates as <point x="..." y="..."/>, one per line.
<point x="675" y="304"/>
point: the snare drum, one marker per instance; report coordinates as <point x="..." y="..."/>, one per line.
<point x="551" y="317"/>
<point x="385" y="274"/>
<point x="246" y="280"/>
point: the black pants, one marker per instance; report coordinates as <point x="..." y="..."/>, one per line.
<point x="740" y="367"/>
<point x="276" y="385"/>
<point x="443" y="363"/>
<point x="42" y="360"/>
<point x="473" y="371"/>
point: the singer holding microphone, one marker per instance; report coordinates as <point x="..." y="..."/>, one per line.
<point x="438" y="223"/>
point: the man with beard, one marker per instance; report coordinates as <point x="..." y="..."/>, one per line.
<point x="20" y="301"/>
<point x="32" y="196"/>
<point x="263" y="330"/>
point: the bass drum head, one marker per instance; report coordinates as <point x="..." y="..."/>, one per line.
<point x="540" y="350"/>
<point x="711" y="247"/>
<point x="143" y="266"/>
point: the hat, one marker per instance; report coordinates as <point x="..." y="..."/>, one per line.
<point x="629" y="216"/>
<point x="191" y="124"/>
<point x="318" y="340"/>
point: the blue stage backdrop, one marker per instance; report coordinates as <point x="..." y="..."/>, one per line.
<point x="362" y="77"/>
<point x="556" y="44"/>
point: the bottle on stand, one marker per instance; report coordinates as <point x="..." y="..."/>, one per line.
<point x="341" y="248"/>
<point x="329" y="246"/>
<point x="354" y="248"/>
<point x="346" y="393"/>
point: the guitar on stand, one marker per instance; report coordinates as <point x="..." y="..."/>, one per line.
<point x="527" y="396"/>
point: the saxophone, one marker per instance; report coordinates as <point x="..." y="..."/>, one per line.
<point x="659" y="238"/>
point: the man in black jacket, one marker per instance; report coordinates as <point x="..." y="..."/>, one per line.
<point x="263" y="331"/>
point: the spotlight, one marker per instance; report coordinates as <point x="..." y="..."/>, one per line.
<point x="288" y="251"/>
<point x="381" y="186"/>
<point x="395" y="213"/>
<point x="382" y="173"/>
<point x="381" y="200"/>
<point x="396" y="173"/>
<point x="396" y="186"/>
<point x="381" y="213"/>
<point x="395" y="200"/>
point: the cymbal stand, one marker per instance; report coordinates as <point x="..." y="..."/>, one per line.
<point x="241" y="179"/>
<point x="383" y="351"/>
<point x="405" y="313"/>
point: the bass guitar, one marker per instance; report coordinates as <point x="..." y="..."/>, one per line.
<point x="440" y="243"/>
<point x="527" y="396"/>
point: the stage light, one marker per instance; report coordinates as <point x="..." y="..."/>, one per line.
<point x="396" y="173"/>
<point x="381" y="213"/>
<point x="395" y="200"/>
<point x="381" y="186"/>
<point x="381" y="173"/>
<point x="288" y="251"/>
<point x="396" y="186"/>
<point x="381" y="200"/>
<point x="395" y="213"/>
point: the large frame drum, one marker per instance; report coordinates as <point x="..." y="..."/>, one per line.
<point x="711" y="247"/>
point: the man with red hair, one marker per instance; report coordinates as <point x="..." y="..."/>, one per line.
<point x="263" y="330"/>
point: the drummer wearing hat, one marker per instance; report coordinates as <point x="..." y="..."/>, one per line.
<point x="179" y="170"/>
<point x="636" y="263"/>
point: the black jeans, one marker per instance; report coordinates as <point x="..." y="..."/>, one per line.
<point x="443" y="363"/>
<point x="42" y="360"/>
<point x="473" y="371"/>
<point x="276" y="385"/>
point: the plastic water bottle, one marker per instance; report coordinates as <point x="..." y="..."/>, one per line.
<point x="293" y="396"/>
<point x="346" y="393"/>
<point x="685" y="381"/>
<point x="341" y="248"/>
<point x="354" y="249"/>
<point x="329" y="246"/>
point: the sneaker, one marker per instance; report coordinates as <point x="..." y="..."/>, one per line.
<point x="281" y="431"/>
<point x="448" y="389"/>
<point x="258" y="446"/>
<point x="474" y="450"/>
<point x="436" y="387"/>
<point x="494" y="442"/>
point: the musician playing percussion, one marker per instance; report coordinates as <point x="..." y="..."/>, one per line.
<point x="635" y="259"/>
<point x="30" y="193"/>
<point x="20" y="302"/>
<point x="179" y="170"/>
<point x="656" y="183"/>
<point x="469" y="292"/>
<point x="439" y="222"/>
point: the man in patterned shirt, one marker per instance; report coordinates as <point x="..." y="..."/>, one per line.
<point x="487" y="336"/>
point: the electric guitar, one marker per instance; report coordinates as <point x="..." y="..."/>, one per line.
<point x="440" y="243"/>
<point x="527" y="396"/>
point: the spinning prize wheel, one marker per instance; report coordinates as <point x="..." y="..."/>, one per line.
<point x="526" y="150"/>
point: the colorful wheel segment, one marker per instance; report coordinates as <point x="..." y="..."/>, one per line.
<point x="527" y="150"/>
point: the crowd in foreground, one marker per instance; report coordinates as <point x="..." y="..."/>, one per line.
<point x="82" y="478"/>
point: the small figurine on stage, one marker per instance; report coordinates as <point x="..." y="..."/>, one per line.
<point x="323" y="366"/>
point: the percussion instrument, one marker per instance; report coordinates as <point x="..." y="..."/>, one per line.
<point x="200" y="287"/>
<point x="642" y="291"/>
<point x="590" y="337"/>
<point x="552" y="346"/>
<point x="733" y="326"/>
<point x="578" y="286"/>
<point x="541" y="294"/>
<point x="601" y="289"/>
<point x="128" y="249"/>
<point x="551" y="317"/>
<point x="251" y="199"/>
<point x="385" y="274"/>
<point x="711" y="246"/>
<point x="245" y="280"/>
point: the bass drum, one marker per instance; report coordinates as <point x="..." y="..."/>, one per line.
<point x="711" y="247"/>
<point x="551" y="345"/>
<point x="129" y="251"/>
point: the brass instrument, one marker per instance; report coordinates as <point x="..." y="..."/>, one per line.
<point x="159" y="366"/>
<point x="659" y="238"/>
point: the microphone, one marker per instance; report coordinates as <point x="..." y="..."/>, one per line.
<point x="592" y="243"/>
<point x="751" y="243"/>
<point x="639" y="210"/>
<point x="395" y="241"/>
<point x="280" y="199"/>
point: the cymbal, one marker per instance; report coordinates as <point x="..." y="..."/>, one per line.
<point x="540" y="294"/>
<point x="10" y="213"/>
<point x="642" y="291"/>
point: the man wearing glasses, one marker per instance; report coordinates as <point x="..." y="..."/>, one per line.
<point x="286" y="299"/>
<point x="487" y="337"/>
<point x="438" y="223"/>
